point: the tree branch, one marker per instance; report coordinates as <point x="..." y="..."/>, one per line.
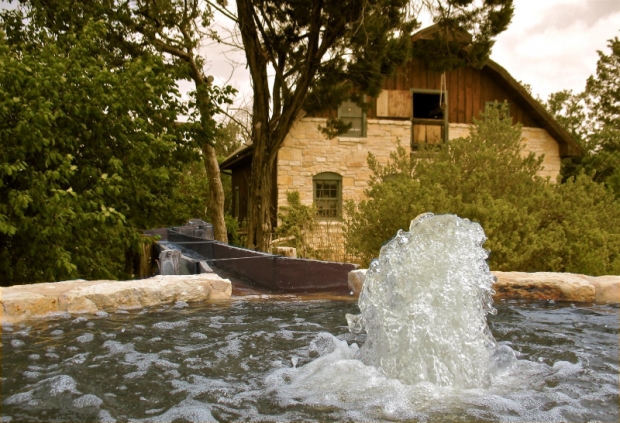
<point x="223" y="11"/>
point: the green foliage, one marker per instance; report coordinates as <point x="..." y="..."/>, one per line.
<point x="232" y="227"/>
<point x="228" y="138"/>
<point x="90" y="154"/>
<point x="593" y="119"/>
<point x="450" y="48"/>
<point x="173" y="31"/>
<point x="189" y="199"/>
<point x="297" y="223"/>
<point x="531" y="223"/>
<point x="190" y="196"/>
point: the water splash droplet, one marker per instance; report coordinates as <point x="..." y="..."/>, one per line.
<point x="424" y="304"/>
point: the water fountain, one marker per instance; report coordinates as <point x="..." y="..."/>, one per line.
<point x="424" y="304"/>
<point x="420" y="350"/>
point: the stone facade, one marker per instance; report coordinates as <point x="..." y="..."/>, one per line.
<point x="306" y="152"/>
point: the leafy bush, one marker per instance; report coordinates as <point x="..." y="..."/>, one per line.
<point x="89" y="156"/>
<point x="296" y="224"/>
<point x="531" y="223"/>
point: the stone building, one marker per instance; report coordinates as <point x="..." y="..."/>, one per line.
<point x="416" y="106"/>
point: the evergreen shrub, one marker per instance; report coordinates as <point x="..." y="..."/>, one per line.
<point x="532" y="223"/>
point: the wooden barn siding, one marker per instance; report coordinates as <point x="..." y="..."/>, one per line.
<point x="468" y="90"/>
<point x="241" y="178"/>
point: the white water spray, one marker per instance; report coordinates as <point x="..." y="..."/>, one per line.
<point x="424" y="305"/>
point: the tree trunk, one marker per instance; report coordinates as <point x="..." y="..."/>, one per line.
<point x="261" y="183"/>
<point x="216" y="192"/>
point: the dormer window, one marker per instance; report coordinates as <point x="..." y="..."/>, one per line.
<point x="350" y="112"/>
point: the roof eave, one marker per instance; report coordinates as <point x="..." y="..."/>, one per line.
<point x="237" y="156"/>
<point x="568" y="146"/>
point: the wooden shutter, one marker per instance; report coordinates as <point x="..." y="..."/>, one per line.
<point x="394" y="103"/>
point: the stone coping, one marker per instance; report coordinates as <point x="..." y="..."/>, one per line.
<point x="539" y="286"/>
<point x="22" y="302"/>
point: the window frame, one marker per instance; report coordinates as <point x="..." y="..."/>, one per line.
<point x="435" y="122"/>
<point x="498" y="104"/>
<point x="343" y="118"/>
<point x="331" y="177"/>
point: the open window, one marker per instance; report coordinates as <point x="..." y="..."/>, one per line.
<point x="350" y="112"/>
<point x="328" y="195"/>
<point x="429" y="118"/>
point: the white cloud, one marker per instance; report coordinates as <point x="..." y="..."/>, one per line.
<point x="560" y="55"/>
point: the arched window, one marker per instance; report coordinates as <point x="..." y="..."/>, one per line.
<point x="328" y="195"/>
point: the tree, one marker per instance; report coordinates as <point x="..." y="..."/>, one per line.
<point x="89" y="155"/>
<point x="593" y="118"/>
<point x="320" y="53"/>
<point x="531" y="224"/>
<point x="174" y="29"/>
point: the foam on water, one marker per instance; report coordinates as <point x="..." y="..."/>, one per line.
<point x="424" y="305"/>
<point x="526" y="391"/>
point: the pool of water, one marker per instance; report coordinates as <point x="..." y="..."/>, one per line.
<point x="278" y="360"/>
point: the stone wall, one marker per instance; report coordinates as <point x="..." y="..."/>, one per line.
<point x="538" y="286"/>
<point x="307" y="152"/>
<point x="21" y="302"/>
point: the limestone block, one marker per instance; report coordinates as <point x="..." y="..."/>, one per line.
<point x="27" y="304"/>
<point x="458" y="130"/>
<point x="296" y="154"/>
<point x="40" y="300"/>
<point x="220" y="290"/>
<point x="543" y="286"/>
<point x="353" y="164"/>
<point x="356" y="280"/>
<point x="348" y="182"/>
<point x="75" y="302"/>
<point x="607" y="288"/>
<point x="284" y="154"/>
<point x="285" y="180"/>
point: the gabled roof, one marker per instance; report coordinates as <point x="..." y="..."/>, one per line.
<point x="568" y="146"/>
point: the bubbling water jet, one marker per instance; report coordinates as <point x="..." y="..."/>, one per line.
<point x="424" y="304"/>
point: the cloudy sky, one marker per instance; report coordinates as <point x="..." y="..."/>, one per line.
<point x="550" y="44"/>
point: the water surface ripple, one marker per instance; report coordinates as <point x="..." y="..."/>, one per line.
<point x="295" y="361"/>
